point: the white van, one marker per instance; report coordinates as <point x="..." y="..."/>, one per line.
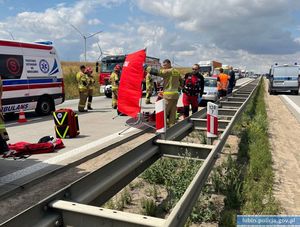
<point x="32" y="77"/>
<point x="284" y="78"/>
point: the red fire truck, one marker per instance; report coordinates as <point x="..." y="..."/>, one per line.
<point x="107" y="65"/>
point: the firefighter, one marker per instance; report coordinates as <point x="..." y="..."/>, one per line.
<point x="223" y="81"/>
<point x="115" y="80"/>
<point x="149" y="87"/>
<point x="83" y="86"/>
<point x="192" y="88"/>
<point x="171" y="87"/>
<point x="91" y="85"/>
<point x="3" y="133"/>
<point x="80" y="73"/>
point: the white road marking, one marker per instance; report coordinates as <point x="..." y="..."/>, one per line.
<point x="289" y="101"/>
<point x="55" y="160"/>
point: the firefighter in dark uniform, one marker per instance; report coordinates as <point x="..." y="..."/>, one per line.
<point x="115" y="80"/>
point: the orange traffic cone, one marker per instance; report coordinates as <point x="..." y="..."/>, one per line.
<point x="22" y="117"/>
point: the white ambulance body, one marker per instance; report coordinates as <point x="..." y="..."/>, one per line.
<point x="32" y="77"/>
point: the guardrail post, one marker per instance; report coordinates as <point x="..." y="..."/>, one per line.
<point x="160" y="118"/>
<point x="212" y="122"/>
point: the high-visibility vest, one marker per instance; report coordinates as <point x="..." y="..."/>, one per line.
<point x="223" y="81"/>
<point x="172" y="82"/>
<point x="114" y="80"/>
<point x="78" y="75"/>
<point x="83" y="83"/>
<point x="149" y="82"/>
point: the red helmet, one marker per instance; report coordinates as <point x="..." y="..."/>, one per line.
<point x="117" y="67"/>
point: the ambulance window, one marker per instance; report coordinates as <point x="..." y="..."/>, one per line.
<point x="11" y="66"/>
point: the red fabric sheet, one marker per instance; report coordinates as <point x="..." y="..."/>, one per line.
<point x="130" y="88"/>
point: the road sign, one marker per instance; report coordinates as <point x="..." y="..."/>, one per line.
<point x="212" y="120"/>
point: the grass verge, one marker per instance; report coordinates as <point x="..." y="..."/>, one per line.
<point x="70" y="70"/>
<point x="247" y="182"/>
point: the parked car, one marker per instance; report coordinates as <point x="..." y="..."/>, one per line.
<point x="210" y="90"/>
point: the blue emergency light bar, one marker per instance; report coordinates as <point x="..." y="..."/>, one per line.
<point x="45" y="42"/>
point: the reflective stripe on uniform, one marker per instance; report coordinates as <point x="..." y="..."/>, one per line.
<point x="170" y="92"/>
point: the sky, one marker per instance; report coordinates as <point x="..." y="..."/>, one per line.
<point x="249" y="34"/>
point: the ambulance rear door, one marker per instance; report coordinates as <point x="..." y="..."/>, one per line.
<point x="44" y="77"/>
<point x="12" y="70"/>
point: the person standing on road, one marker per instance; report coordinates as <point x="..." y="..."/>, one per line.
<point x="91" y="84"/>
<point x="171" y="86"/>
<point x="115" y="81"/>
<point x="192" y="89"/>
<point x="223" y="81"/>
<point x="149" y="87"/>
<point x="3" y="133"/>
<point x="231" y="80"/>
<point x="83" y="84"/>
<point x="80" y="73"/>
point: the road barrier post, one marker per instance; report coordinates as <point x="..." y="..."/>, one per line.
<point x="161" y="126"/>
<point x="212" y="122"/>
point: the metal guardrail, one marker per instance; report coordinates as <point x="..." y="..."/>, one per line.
<point x="78" y="204"/>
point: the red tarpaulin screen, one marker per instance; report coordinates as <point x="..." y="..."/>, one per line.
<point x="130" y="89"/>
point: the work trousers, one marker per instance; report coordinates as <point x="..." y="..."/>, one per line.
<point x="188" y="100"/>
<point x="171" y="109"/>
<point x="114" y="98"/>
<point x="82" y="100"/>
<point x="148" y="95"/>
<point x="222" y="93"/>
<point x="90" y="97"/>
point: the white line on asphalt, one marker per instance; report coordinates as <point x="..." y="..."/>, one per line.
<point x="57" y="159"/>
<point x="294" y="105"/>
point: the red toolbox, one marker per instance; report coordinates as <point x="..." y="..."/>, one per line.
<point x="66" y="123"/>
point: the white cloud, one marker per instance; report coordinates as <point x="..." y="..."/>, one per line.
<point x="256" y="26"/>
<point x="236" y="32"/>
<point x="94" y="21"/>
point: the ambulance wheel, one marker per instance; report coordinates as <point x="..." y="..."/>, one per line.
<point x="44" y="106"/>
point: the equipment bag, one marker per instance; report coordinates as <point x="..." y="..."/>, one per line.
<point x="66" y="123"/>
<point x="25" y="149"/>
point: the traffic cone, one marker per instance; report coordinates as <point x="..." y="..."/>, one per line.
<point x="22" y="117"/>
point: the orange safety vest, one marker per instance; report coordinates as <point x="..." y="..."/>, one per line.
<point x="223" y="81"/>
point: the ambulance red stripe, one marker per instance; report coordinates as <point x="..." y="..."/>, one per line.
<point x="25" y="45"/>
<point x="31" y="86"/>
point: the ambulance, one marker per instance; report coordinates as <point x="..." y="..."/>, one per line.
<point x="31" y="76"/>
